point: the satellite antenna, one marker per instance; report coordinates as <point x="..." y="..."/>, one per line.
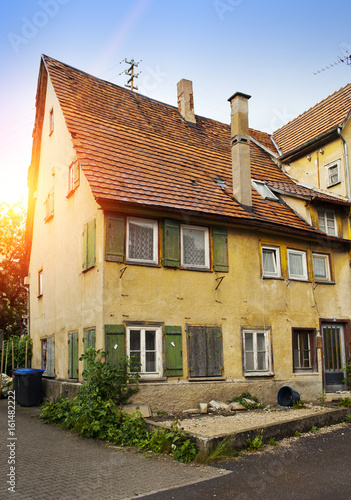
<point x="131" y="74"/>
<point x="346" y="60"/>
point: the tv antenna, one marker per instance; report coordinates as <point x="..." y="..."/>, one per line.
<point x="346" y="60"/>
<point x="131" y="74"/>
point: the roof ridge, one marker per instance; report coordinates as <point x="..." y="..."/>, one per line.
<point x="323" y="101"/>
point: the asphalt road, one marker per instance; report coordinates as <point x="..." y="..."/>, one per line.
<point x="312" y="467"/>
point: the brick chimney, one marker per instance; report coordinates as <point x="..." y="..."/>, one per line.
<point x="186" y="100"/>
<point x="240" y="145"/>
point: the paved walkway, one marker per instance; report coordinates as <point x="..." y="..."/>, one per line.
<point x="50" y="463"/>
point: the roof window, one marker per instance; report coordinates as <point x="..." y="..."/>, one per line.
<point x="264" y="191"/>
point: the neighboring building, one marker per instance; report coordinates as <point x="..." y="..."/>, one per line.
<point x="138" y="243"/>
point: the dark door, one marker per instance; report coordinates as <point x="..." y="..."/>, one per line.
<point x="334" y="357"/>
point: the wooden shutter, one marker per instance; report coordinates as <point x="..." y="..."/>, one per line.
<point x="114" y="343"/>
<point x="73" y="355"/>
<point x="171" y="249"/>
<point x="197" y="351"/>
<point x="89" y="341"/>
<point x="50" y="368"/>
<point x="220" y="249"/>
<point x="89" y="244"/>
<point x="114" y="248"/>
<point x="173" y="351"/>
<point x="205" y="352"/>
<point x="214" y="351"/>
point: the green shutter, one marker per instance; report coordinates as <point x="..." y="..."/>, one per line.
<point x="114" y="343"/>
<point x="114" y="251"/>
<point x="73" y="355"/>
<point x="91" y="242"/>
<point x="50" y="368"/>
<point x="171" y="237"/>
<point x="85" y="247"/>
<point x="173" y="351"/>
<point x="214" y="351"/>
<point x="89" y="341"/>
<point x="220" y="249"/>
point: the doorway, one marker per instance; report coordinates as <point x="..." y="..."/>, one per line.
<point x="334" y="357"/>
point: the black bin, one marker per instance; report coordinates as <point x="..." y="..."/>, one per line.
<point x="27" y="386"/>
<point x="287" y="397"/>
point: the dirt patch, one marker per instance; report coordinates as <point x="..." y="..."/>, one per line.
<point x="216" y="425"/>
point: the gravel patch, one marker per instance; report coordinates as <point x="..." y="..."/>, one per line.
<point x="216" y="425"/>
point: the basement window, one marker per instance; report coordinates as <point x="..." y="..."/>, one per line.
<point x="264" y="191"/>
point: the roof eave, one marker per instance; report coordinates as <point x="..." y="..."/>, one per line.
<point x="308" y="146"/>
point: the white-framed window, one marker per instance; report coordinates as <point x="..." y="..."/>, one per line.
<point x="73" y="176"/>
<point x="264" y="190"/>
<point x="51" y="121"/>
<point x="40" y="282"/>
<point x="333" y="173"/>
<point x="321" y="266"/>
<point x="297" y="264"/>
<point x="257" y="352"/>
<point x="142" y="240"/>
<point x="195" y="247"/>
<point x="144" y="348"/>
<point x="327" y="221"/>
<point x="271" y="261"/>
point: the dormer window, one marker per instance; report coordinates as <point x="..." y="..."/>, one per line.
<point x="327" y="222"/>
<point x="264" y="191"/>
<point x="333" y="173"/>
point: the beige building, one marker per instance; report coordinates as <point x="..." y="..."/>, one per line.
<point x="216" y="255"/>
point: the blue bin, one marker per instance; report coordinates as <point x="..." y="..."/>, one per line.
<point x="287" y="397"/>
<point x="27" y="386"/>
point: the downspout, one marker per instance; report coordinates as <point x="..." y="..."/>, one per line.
<point x="27" y="290"/>
<point x="346" y="163"/>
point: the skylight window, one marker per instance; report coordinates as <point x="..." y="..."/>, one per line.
<point x="264" y="191"/>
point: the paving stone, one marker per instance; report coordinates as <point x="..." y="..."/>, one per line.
<point x="52" y="463"/>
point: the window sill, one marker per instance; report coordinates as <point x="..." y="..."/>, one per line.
<point x="272" y="277"/>
<point x="147" y="264"/>
<point x="306" y="372"/>
<point x="259" y="374"/>
<point x="49" y="218"/>
<point x="300" y="280"/>
<point x="144" y="380"/>
<point x="324" y="282"/>
<point x="206" y="379"/>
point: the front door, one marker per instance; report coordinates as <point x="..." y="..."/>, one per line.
<point x="334" y="357"/>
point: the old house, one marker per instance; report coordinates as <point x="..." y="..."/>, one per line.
<point x="217" y="255"/>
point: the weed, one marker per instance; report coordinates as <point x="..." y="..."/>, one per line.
<point x="314" y="428"/>
<point x="256" y="443"/>
<point x="323" y="396"/>
<point x="250" y="406"/>
<point x="347" y="418"/>
<point x="297" y="405"/>
<point x="297" y="434"/>
<point x="223" y="450"/>
<point x="345" y="402"/>
<point x="272" y="442"/>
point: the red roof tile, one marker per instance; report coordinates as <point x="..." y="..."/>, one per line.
<point x="136" y="150"/>
<point x="319" y="119"/>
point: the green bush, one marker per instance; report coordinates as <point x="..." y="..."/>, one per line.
<point x="94" y="412"/>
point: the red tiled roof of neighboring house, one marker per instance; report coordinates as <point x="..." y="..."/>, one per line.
<point x="264" y="138"/>
<point x="319" y="119"/>
<point x="139" y="151"/>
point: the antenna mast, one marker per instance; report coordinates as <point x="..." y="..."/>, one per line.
<point x="345" y="60"/>
<point x="131" y="74"/>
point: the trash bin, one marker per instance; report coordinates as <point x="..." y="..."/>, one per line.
<point x="27" y="384"/>
<point x="287" y="397"/>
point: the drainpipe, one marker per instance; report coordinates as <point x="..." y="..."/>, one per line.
<point x="346" y="163"/>
<point x="26" y="289"/>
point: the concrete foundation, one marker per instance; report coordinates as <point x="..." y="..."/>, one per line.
<point x="178" y="396"/>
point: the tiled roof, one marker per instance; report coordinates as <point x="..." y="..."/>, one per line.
<point x="319" y="119"/>
<point x="136" y="150"/>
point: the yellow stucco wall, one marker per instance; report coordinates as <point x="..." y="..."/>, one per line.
<point x="74" y="300"/>
<point x="69" y="301"/>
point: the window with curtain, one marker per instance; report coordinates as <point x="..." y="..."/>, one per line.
<point x="297" y="264"/>
<point x="271" y="262"/>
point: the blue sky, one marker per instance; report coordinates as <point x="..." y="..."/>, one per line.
<point x="268" y="49"/>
